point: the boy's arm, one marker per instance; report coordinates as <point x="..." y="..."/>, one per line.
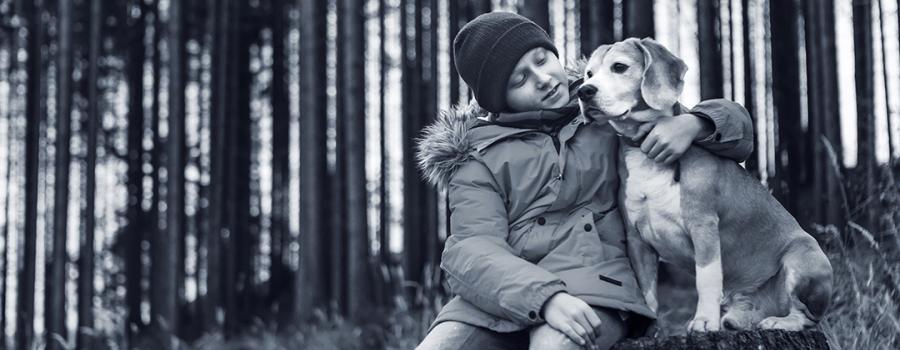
<point x="481" y="266"/>
<point x="732" y="129"/>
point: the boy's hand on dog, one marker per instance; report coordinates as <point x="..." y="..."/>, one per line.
<point x="573" y="317"/>
<point x="671" y="137"/>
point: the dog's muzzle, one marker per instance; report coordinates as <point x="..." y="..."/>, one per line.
<point x="586" y="92"/>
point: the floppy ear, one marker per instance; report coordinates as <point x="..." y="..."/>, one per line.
<point x="663" y="75"/>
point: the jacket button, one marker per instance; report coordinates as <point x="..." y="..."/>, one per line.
<point x="588" y="227"/>
<point x="532" y="315"/>
<point x="541" y="220"/>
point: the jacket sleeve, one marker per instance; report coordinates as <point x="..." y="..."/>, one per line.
<point x="733" y="134"/>
<point x="481" y="266"/>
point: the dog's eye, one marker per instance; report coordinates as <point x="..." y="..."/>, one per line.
<point x="589" y="74"/>
<point x="619" y="67"/>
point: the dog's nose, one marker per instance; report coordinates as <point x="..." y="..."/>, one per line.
<point x="586" y="92"/>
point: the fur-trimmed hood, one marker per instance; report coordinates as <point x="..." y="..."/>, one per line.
<point x="448" y="142"/>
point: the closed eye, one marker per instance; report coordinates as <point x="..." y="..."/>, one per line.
<point x="619" y="67"/>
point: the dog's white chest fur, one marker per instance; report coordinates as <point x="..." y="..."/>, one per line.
<point x="653" y="203"/>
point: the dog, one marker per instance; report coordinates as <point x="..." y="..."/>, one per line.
<point x="755" y="266"/>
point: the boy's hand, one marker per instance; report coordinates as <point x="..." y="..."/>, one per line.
<point x="573" y="317"/>
<point x="671" y="137"/>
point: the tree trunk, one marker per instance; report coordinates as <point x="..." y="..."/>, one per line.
<point x="865" y="96"/>
<point x="137" y="219"/>
<point x="312" y="284"/>
<point x="34" y="114"/>
<point x="86" y="250"/>
<point x="455" y="21"/>
<point x="279" y="291"/>
<point x="165" y="279"/>
<point x="597" y="25"/>
<point x="638" y="18"/>
<point x="771" y="339"/>
<point x="4" y="230"/>
<point x="217" y="131"/>
<point x="824" y="117"/>
<point x="351" y="110"/>
<point x="749" y="95"/>
<point x="413" y="211"/>
<point x="710" y="51"/>
<point x="790" y="185"/>
<point x="55" y="275"/>
<point x="537" y="11"/>
<point x="239" y="247"/>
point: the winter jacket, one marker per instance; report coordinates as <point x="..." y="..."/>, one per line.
<point x="528" y="221"/>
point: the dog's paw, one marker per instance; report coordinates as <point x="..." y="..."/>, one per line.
<point x="703" y="324"/>
<point x="787" y="323"/>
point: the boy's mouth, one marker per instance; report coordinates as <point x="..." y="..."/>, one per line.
<point x="551" y="93"/>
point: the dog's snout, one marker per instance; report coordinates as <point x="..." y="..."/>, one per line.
<point x="587" y="92"/>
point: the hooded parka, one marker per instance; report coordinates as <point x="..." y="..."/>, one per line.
<point x="529" y="219"/>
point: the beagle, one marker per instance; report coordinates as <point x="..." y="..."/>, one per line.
<point x="754" y="265"/>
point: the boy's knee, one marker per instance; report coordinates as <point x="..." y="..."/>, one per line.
<point x="544" y="337"/>
<point x="446" y="335"/>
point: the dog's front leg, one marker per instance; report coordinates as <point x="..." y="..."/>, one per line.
<point x="645" y="262"/>
<point x="704" y="231"/>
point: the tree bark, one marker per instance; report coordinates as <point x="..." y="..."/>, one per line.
<point x="824" y="121"/>
<point x="57" y="257"/>
<point x="279" y="291"/>
<point x="413" y="191"/>
<point x="137" y="219"/>
<point x="711" y="85"/>
<point x="638" y="18"/>
<point x="597" y="25"/>
<point x="537" y="11"/>
<point x="770" y="339"/>
<point x="790" y="185"/>
<point x="86" y="250"/>
<point x="865" y="110"/>
<point x="312" y="285"/>
<point x="351" y="110"/>
<point x="34" y="114"/>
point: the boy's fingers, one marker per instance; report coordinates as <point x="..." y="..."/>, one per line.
<point x="586" y="324"/>
<point x="663" y="155"/>
<point x="642" y="131"/>
<point x="595" y="322"/>
<point x="648" y="143"/>
<point x="570" y="332"/>
<point x="672" y="159"/>
<point x="656" y="150"/>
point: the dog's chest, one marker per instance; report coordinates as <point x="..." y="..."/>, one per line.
<point x="652" y="199"/>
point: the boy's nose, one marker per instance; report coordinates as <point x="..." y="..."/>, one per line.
<point x="586" y="92"/>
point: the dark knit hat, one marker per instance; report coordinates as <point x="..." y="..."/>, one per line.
<point x="487" y="49"/>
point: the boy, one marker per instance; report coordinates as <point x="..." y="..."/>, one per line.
<point x="537" y="252"/>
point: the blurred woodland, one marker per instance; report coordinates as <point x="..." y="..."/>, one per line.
<point x="240" y="173"/>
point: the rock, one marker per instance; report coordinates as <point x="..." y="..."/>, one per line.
<point x="756" y="340"/>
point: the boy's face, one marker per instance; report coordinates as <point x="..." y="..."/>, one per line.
<point x="537" y="82"/>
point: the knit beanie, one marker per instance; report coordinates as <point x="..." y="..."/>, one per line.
<point x="487" y="49"/>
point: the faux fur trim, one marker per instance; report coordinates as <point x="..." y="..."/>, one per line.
<point x="445" y="145"/>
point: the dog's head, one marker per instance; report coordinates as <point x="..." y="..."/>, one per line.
<point x="631" y="75"/>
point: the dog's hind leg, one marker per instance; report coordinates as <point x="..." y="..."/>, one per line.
<point x="808" y="284"/>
